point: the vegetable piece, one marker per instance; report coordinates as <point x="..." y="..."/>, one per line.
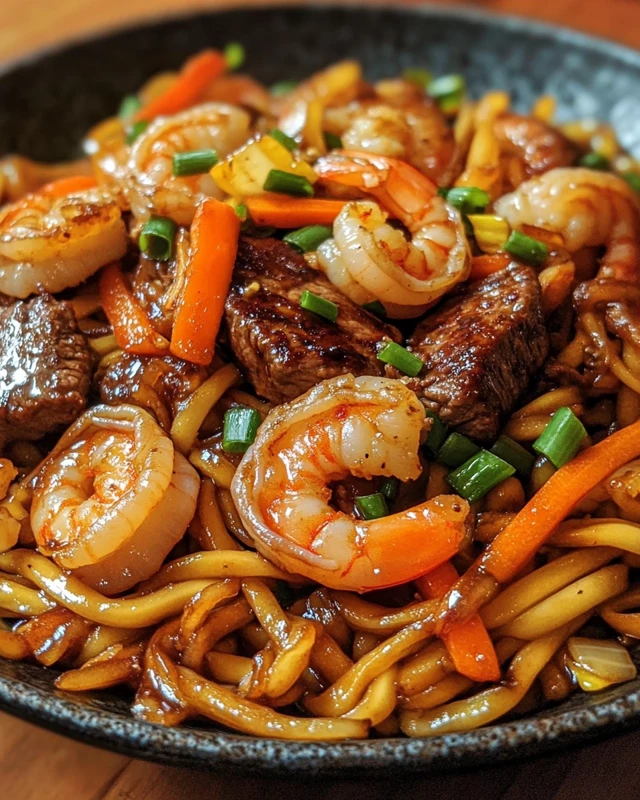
<point x="400" y="358"/>
<point x="437" y="433"/>
<point x="195" y="75"/>
<point x="527" y="249"/>
<point x="375" y="307"/>
<point x="491" y="232"/>
<point x="594" y="160"/>
<point x="309" y="238"/>
<point x="135" y="130"/>
<point x="483" y="266"/>
<point x="214" y="243"/>
<point x="456" y="450"/>
<point x="468" y="643"/>
<point x="131" y="327"/>
<point x="319" y="305"/>
<point x="633" y="179"/>
<point x="282" y="88"/>
<point x="422" y="77"/>
<point x="157" y="237"/>
<point x="514" y="454"/>
<point x="372" y="506"/>
<point x="284" y="182"/>
<point x="477" y="476"/>
<point x="288" y="212"/>
<point x="332" y="141"/>
<point x="128" y="107"/>
<point x="448" y="90"/>
<point x="283" y="139"/>
<point x="194" y="162"/>
<point x="389" y="487"/>
<point x="468" y="199"/>
<point x="234" y="55"/>
<point x="561" y="439"/>
<point x="239" y="429"/>
<point x="599" y="663"/>
<point x="66" y="186"/>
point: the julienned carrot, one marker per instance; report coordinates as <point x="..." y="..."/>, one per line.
<point x="194" y="77"/>
<point x="280" y="211"/>
<point x="65" y="186"/>
<point x="131" y="327"/>
<point x="468" y="643"/>
<point x="483" y="266"/>
<point x="214" y="243"/>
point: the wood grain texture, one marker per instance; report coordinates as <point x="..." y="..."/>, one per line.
<point x="37" y="765"/>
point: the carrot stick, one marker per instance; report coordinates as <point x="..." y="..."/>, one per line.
<point x="468" y="642"/>
<point x="64" y="186"/>
<point x="483" y="266"/>
<point x="194" y="77"/>
<point x="214" y="243"/>
<point x="131" y="327"/>
<point x="289" y="212"/>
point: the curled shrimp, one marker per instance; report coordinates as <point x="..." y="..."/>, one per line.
<point x="360" y="426"/>
<point x="152" y="188"/>
<point x="112" y="498"/>
<point x="588" y="209"/>
<point x="50" y="243"/>
<point x="369" y="260"/>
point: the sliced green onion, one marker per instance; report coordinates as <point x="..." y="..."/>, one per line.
<point x="456" y="450"/>
<point x="157" y="237"/>
<point x="514" y="454"/>
<point x="443" y="191"/>
<point x="194" y="162"/>
<point x="400" y="358"/>
<point x="446" y="85"/>
<point x="282" y="88"/>
<point x="633" y="179"/>
<point x="234" y="55"/>
<point x="389" y="487"/>
<point x="288" y="183"/>
<point x="332" y="141"/>
<point x="437" y="433"/>
<point x="309" y="238"/>
<point x="283" y="139"/>
<point x="418" y="75"/>
<point x="372" y="506"/>
<point x="479" y="475"/>
<point x="375" y="307"/>
<point x="526" y="248"/>
<point x="239" y="430"/>
<point x="542" y="470"/>
<point x="561" y="439"/>
<point x="135" y="130"/>
<point x="242" y="211"/>
<point x="468" y="199"/>
<point x="128" y="107"/>
<point x="594" y="161"/>
<point x="318" y="305"/>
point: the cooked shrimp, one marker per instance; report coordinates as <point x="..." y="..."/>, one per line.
<point x="369" y="260"/>
<point x="48" y="243"/>
<point x="113" y="498"/>
<point x="360" y="426"/>
<point x="588" y="208"/>
<point x="151" y="186"/>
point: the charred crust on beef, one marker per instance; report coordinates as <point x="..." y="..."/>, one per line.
<point x="283" y="349"/>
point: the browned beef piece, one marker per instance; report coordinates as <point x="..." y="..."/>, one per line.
<point x="481" y="350"/>
<point x="284" y="349"/>
<point x="45" y="368"/>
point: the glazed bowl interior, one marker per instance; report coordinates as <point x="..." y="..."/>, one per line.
<point x="49" y="102"/>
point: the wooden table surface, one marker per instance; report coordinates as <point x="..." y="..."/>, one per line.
<point x="37" y="765"/>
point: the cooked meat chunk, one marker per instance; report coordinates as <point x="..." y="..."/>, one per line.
<point x="481" y="350"/>
<point x="284" y="349"/>
<point x="151" y="282"/>
<point x="45" y="368"/>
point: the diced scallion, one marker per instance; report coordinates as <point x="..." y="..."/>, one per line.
<point x="418" y="75"/>
<point x="389" y="487"/>
<point x="562" y="438"/>
<point x="468" y="199"/>
<point x="309" y="238"/>
<point x="319" y="305"/>
<point x="239" y="430"/>
<point x="135" y="130"/>
<point x="372" y="506"/>
<point x="128" y="107"/>
<point x="194" y="162"/>
<point x="448" y="90"/>
<point x="285" y="141"/>
<point x="526" y="248"/>
<point x="400" y="358"/>
<point x="514" y="454"/>
<point x="456" y="450"/>
<point x="282" y="88"/>
<point x="477" y="476"/>
<point x="633" y="179"/>
<point x="594" y="160"/>
<point x="437" y="433"/>
<point x="375" y="307"/>
<point x="332" y="141"/>
<point x="287" y="183"/>
<point x="234" y="55"/>
<point x="157" y="238"/>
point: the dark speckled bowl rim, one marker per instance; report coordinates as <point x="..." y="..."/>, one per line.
<point x="217" y="750"/>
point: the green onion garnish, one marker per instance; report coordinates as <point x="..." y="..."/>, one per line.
<point x="437" y="433"/>
<point x="234" y="55"/>
<point x="526" y="249"/>
<point x="288" y="183"/>
<point x="375" y="307"/>
<point x="283" y="139"/>
<point x="561" y="439"/>
<point x="389" y="487"/>
<point x="239" y="430"/>
<point x="542" y="470"/>
<point x="157" y="237"/>
<point x="443" y="191"/>
<point x="242" y="211"/>
<point x="135" y="130"/>
<point x="448" y="90"/>
<point x="456" y="450"/>
<point x="282" y="88"/>
<point x="468" y="199"/>
<point x="401" y="359"/>
<point x="372" y="506"/>
<point x="318" y="305"/>
<point x="418" y="75"/>
<point x="332" y="141"/>
<point x="594" y="161"/>
<point x="309" y="238"/>
<point x="128" y="107"/>
<point x="633" y="179"/>
<point x="194" y="162"/>
<point x="514" y="454"/>
<point x="479" y="475"/>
